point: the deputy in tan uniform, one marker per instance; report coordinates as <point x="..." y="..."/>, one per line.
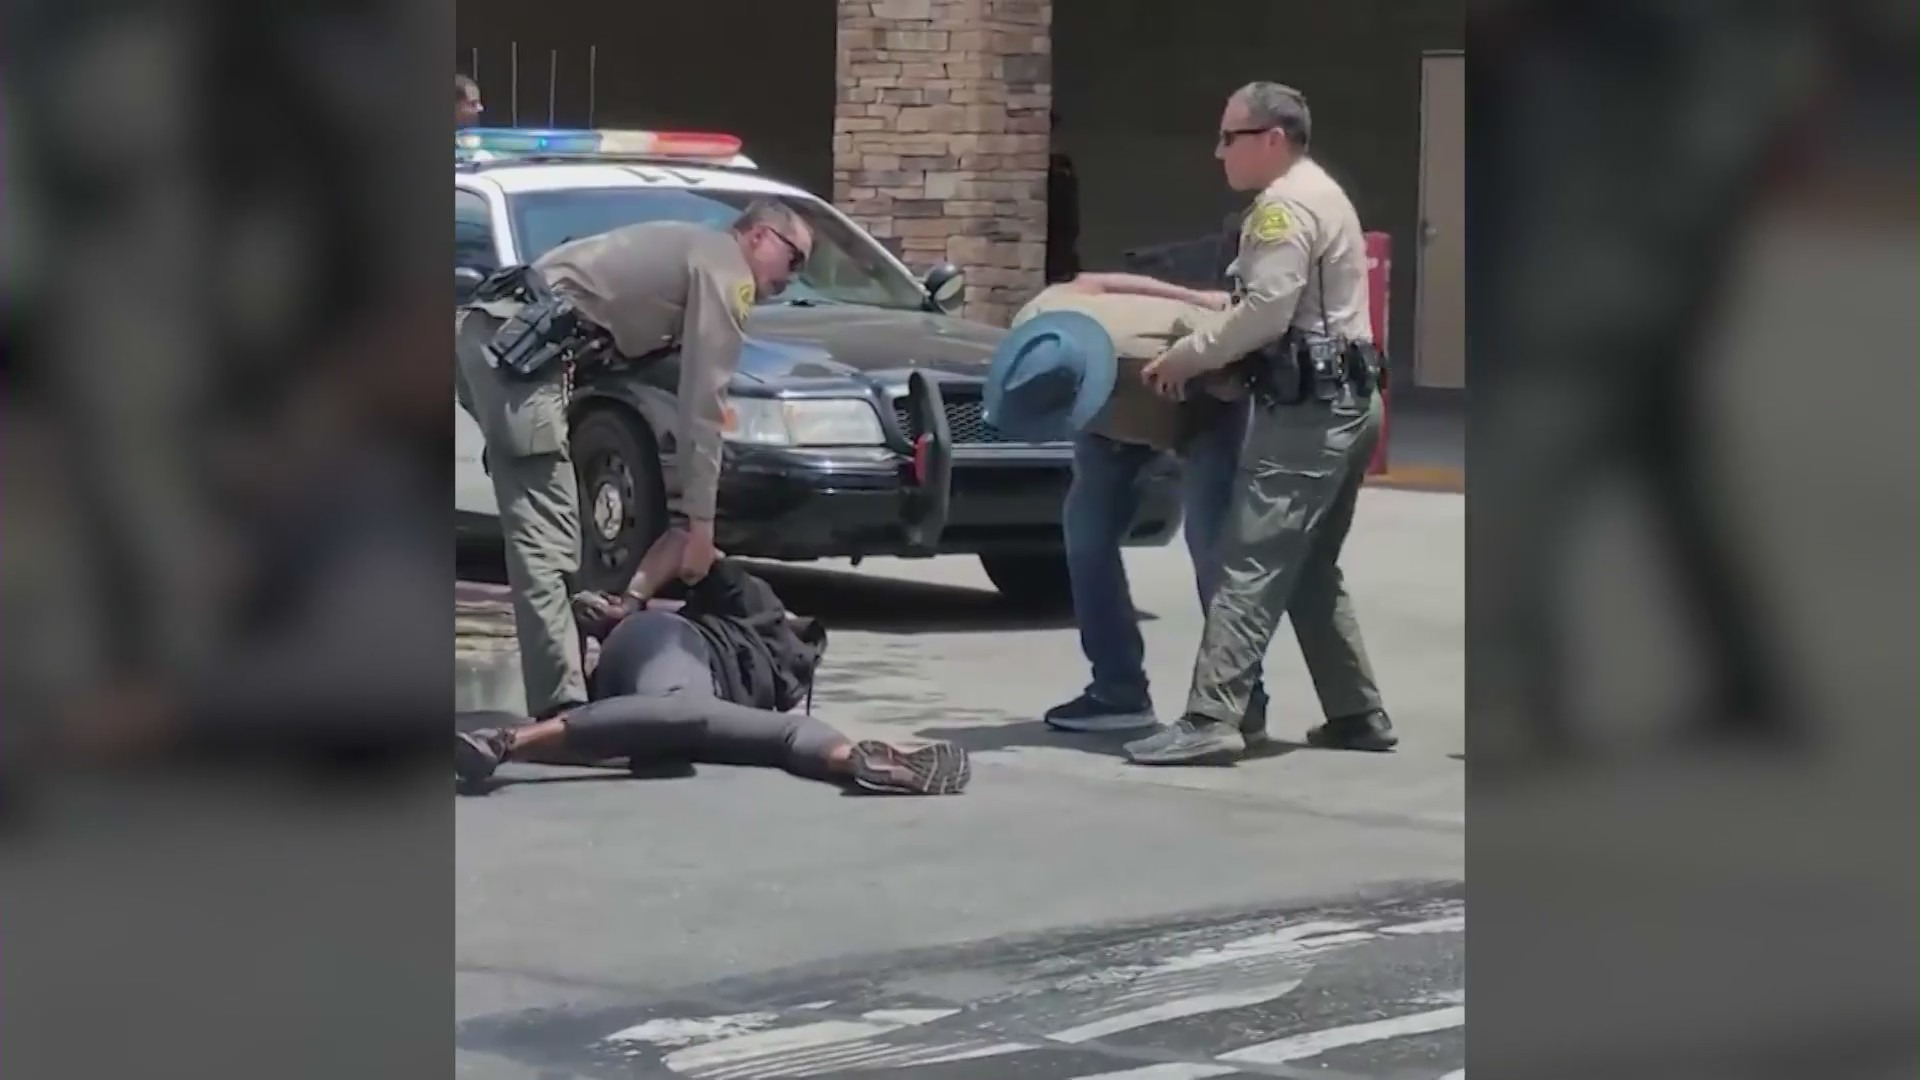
<point x="648" y="287"/>
<point x="1300" y="319"/>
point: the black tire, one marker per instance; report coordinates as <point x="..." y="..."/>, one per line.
<point x="623" y="505"/>
<point x="1036" y="581"/>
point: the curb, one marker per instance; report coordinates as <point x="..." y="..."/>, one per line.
<point x="1444" y="479"/>
<point x="488" y="680"/>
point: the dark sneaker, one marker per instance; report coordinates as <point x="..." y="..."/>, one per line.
<point x="1369" y="731"/>
<point x="935" y="769"/>
<point x="1088" y="713"/>
<point x="1189" y="742"/>
<point x="1253" y="727"/>
<point x="476" y="754"/>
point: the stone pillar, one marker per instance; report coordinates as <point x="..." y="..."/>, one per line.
<point x="940" y="136"/>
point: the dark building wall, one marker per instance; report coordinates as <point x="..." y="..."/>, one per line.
<point x="761" y="69"/>
<point x="1139" y="85"/>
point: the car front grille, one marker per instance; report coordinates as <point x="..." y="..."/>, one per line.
<point x="963" y="422"/>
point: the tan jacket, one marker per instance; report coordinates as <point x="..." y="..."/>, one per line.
<point x="662" y="284"/>
<point x="1142" y="327"/>
<point x="1300" y="227"/>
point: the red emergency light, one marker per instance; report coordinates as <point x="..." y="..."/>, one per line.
<point x="705" y="145"/>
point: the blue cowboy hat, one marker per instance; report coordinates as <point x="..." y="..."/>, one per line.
<point x="1050" y="377"/>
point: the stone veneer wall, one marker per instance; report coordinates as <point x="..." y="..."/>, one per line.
<point x="940" y="137"/>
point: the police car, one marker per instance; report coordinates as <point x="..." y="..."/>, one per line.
<point x="854" y="423"/>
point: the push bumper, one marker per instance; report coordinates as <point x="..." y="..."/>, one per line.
<point x="814" y="504"/>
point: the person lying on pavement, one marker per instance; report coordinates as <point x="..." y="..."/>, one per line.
<point x="712" y="681"/>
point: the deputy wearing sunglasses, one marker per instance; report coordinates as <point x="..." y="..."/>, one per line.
<point x="640" y="290"/>
<point x="1298" y="329"/>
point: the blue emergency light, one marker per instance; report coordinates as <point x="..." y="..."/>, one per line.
<point x="527" y="141"/>
<point x="595" y="142"/>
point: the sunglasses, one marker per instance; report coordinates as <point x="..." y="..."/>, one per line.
<point x="1229" y="136"/>
<point x="796" y="257"/>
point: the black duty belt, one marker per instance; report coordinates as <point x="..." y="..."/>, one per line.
<point x="541" y="333"/>
<point x="1304" y="366"/>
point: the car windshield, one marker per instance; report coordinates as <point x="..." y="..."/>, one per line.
<point x="847" y="266"/>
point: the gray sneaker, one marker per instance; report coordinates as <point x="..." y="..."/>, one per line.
<point x="1189" y="742"/>
<point x="1088" y="713"/>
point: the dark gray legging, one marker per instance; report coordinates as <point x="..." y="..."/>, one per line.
<point x="656" y="703"/>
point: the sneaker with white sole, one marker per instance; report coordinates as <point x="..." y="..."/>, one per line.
<point x="939" y="768"/>
<point x="1088" y="713"/>
<point x="1190" y="741"/>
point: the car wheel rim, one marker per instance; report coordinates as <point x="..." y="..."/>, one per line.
<point x="612" y="510"/>
<point x="609" y="510"/>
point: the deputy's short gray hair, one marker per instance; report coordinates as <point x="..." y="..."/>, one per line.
<point x="768" y="211"/>
<point x="1271" y="105"/>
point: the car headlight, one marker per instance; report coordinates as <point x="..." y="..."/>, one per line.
<point x="828" y="422"/>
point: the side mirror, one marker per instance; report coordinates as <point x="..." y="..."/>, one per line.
<point x="946" y="287"/>
<point x="465" y="280"/>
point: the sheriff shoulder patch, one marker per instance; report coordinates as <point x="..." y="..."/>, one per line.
<point x="1270" y="223"/>
<point x="743" y="299"/>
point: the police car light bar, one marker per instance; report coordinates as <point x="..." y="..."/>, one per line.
<point x="610" y="142"/>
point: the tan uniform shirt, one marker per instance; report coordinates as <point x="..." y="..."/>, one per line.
<point x="1142" y="327"/>
<point x="1302" y="255"/>
<point x="660" y="284"/>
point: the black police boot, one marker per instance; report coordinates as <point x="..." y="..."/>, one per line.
<point x="1253" y="726"/>
<point x="1369" y="731"/>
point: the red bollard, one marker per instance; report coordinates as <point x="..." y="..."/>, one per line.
<point x="1379" y="271"/>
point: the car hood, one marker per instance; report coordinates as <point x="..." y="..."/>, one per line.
<point x="836" y="343"/>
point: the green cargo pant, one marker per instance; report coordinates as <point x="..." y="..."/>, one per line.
<point x="524" y="424"/>
<point x="1301" y="469"/>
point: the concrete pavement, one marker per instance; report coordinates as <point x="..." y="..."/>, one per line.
<point x="587" y="893"/>
<point x="1364" y="989"/>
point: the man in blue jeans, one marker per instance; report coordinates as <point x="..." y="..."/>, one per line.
<point x="1141" y="316"/>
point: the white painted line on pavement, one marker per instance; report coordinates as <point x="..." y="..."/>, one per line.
<point x="1287" y="939"/>
<point x="907" y="1017"/>
<point x="1193" y="970"/>
<point x="1315" y="1043"/>
<point x="673" y="1031"/>
<point x="1447" y="925"/>
<point x="1175" y="1070"/>
<point x="860" y="1054"/>
<point x="864" y="1053"/>
<point x="1175" y="1010"/>
<point x="823" y="1046"/>
<point x="765" y="1048"/>
<point x="1457" y="1074"/>
<point x="992" y="1050"/>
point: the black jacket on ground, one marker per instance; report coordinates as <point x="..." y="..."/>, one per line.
<point x="761" y="658"/>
